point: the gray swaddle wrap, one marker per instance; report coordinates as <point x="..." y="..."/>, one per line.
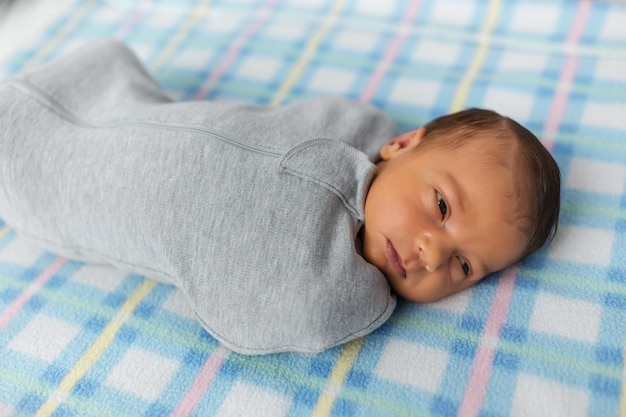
<point x="251" y="211"/>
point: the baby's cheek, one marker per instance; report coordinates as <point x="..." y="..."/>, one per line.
<point x="456" y="272"/>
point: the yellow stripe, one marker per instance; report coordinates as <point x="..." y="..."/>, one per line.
<point x="347" y="358"/>
<point x="62" y="33"/>
<point x="196" y="14"/>
<point x="460" y="98"/>
<point x="309" y="52"/>
<point x="4" y="231"/>
<point x="95" y="350"/>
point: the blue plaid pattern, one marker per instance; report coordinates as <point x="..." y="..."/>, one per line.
<point x="545" y="338"/>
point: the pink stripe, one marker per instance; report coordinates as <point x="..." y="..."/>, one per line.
<point x="235" y="48"/>
<point x="389" y="57"/>
<point x="11" y="311"/>
<point x="567" y="75"/>
<point x="483" y="363"/>
<point x="132" y="21"/>
<point x="202" y="383"/>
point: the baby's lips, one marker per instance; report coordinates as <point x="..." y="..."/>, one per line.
<point x="394" y="260"/>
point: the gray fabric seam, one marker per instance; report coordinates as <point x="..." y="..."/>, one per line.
<point x="49" y="102"/>
<point x="325" y="185"/>
<point x="299" y="149"/>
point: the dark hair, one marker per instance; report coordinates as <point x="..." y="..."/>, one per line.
<point x="543" y="180"/>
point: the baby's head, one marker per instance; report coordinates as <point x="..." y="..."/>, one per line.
<point x="468" y="194"/>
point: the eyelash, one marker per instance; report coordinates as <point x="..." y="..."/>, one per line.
<point x="464" y="266"/>
<point x="443" y="206"/>
<point x="443" y="209"/>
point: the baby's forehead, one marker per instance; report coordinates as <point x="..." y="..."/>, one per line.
<point x="489" y="148"/>
<point x="504" y="157"/>
<point x="498" y="151"/>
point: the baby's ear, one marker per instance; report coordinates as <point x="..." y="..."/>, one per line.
<point x="402" y="143"/>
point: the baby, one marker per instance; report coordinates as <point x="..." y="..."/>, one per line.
<point x="469" y="194"/>
<point x="288" y="229"/>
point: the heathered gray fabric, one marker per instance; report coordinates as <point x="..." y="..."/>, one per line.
<point x="253" y="212"/>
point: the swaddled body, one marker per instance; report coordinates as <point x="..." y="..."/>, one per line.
<point x="253" y="212"/>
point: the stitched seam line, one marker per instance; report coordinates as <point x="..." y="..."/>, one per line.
<point x="326" y="185"/>
<point x="52" y="104"/>
<point x="301" y="148"/>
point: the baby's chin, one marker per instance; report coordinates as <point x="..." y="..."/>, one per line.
<point x="413" y="294"/>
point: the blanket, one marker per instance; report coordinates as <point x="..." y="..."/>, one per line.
<point x="543" y="338"/>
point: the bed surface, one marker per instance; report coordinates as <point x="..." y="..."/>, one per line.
<point x="544" y="338"/>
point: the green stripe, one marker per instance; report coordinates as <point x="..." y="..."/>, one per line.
<point x="27" y="383"/>
<point x="587" y="209"/>
<point x="554" y="358"/>
<point x="585" y="283"/>
<point x="592" y="144"/>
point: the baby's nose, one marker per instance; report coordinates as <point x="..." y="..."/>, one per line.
<point x="415" y="263"/>
<point x="433" y="253"/>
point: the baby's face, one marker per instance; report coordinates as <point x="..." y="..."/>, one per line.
<point x="439" y="220"/>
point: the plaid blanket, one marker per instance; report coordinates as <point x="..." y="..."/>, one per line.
<point x="544" y="338"/>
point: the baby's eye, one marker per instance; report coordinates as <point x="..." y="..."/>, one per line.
<point x="464" y="266"/>
<point x="443" y="207"/>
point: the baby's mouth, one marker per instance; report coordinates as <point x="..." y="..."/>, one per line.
<point x="394" y="260"/>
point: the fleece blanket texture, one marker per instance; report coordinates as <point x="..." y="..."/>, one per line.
<point x="544" y="338"/>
